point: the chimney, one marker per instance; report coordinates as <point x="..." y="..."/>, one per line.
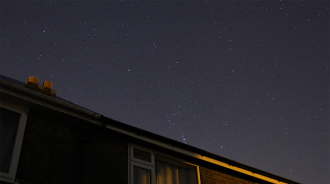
<point x="46" y="89"/>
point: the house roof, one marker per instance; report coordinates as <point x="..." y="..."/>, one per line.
<point x="16" y="88"/>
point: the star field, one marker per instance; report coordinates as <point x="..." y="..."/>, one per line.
<point x="246" y="80"/>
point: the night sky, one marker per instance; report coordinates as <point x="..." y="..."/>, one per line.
<point x="246" y="80"/>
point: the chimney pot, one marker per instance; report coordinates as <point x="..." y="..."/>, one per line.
<point x="32" y="83"/>
<point x="34" y="80"/>
<point x="48" y="84"/>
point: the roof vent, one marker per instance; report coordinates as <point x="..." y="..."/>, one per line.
<point x="32" y="83"/>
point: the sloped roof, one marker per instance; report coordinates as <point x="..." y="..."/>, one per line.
<point x="18" y="86"/>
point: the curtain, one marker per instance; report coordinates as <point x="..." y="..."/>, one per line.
<point x="141" y="175"/>
<point x="171" y="174"/>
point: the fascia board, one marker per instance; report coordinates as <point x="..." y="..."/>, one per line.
<point x="20" y="92"/>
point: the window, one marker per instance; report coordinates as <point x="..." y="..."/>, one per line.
<point x="150" y="167"/>
<point x="12" y="125"/>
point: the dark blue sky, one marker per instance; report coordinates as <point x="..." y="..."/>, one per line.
<point x="245" y="80"/>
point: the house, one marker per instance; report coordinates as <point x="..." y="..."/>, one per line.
<point x="46" y="139"/>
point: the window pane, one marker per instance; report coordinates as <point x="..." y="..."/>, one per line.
<point x="141" y="175"/>
<point x="172" y="174"/>
<point x="142" y="155"/>
<point x="8" y="127"/>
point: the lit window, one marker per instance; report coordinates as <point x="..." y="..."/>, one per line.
<point x="173" y="172"/>
<point x="12" y="125"/>
<point x="150" y="167"/>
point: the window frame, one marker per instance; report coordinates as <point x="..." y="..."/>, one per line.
<point x="11" y="175"/>
<point x="148" y="167"/>
<point x="132" y="147"/>
<point x="155" y="155"/>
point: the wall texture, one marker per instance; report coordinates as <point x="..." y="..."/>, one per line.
<point x="213" y="176"/>
<point x="57" y="150"/>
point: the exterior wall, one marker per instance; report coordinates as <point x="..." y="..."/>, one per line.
<point x="55" y="150"/>
<point x="209" y="173"/>
<point x="213" y="176"/>
<point x="209" y="176"/>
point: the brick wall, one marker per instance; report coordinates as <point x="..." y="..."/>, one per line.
<point x="55" y="151"/>
<point x="213" y="176"/>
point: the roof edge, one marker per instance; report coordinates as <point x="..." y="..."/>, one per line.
<point x="16" y="90"/>
<point x="192" y="151"/>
